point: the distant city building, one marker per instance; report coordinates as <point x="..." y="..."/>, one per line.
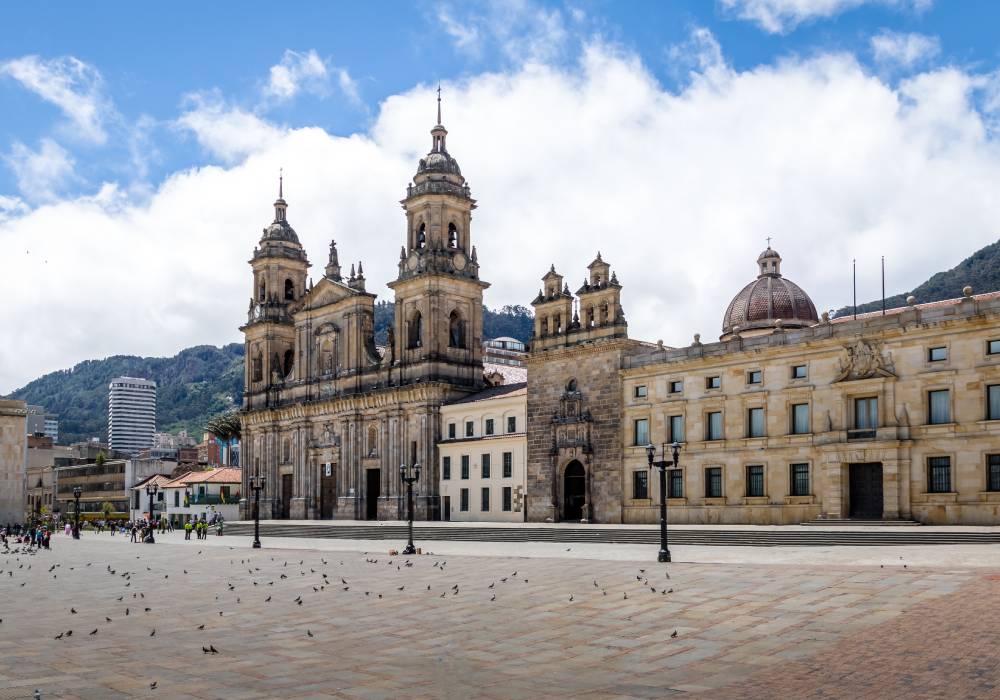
<point x="12" y="459"/>
<point x="505" y="351"/>
<point x="171" y="441"/>
<point x="35" y="420"/>
<point x="99" y="483"/>
<point x="52" y="427"/>
<point x="131" y="414"/>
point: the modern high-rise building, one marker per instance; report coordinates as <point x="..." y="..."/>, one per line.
<point x="131" y="414"/>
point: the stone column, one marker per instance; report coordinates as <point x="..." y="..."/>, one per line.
<point x="297" y="507"/>
<point x="890" y="489"/>
<point x="832" y="487"/>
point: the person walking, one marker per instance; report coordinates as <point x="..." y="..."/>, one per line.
<point x="135" y="531"/>
<point x="187" y="530"/>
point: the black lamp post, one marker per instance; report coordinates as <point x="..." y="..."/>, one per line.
<point x="409" y="475"/>
<point x="256" y="485"/>
<point x="77" y="492"/>
<point x="662" y="464"/>
<point x="151" y="490"/>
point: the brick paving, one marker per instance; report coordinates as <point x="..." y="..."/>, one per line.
<point x="741" y="630"/>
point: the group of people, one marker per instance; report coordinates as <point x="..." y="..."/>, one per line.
<point x="37" y="536"/>
<point x="200" y="528"/>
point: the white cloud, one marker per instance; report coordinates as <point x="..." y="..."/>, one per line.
<point x="40" y="174"/>
<point x="904" y="49"/>
<point x="225" y="131"/>
<point x="700" y="57"/>
<point x="521" y="30"/>
<point x="677" y="189"/>
<point x="465" y="36"/>
<point x="297" y="72"/>
<point x="780" y="16"/>
<point x="71" y="85"/>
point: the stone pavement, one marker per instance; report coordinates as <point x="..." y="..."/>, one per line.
<point x="741" y="630"/>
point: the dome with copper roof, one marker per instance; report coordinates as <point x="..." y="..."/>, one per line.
<point x="769" y="302"/>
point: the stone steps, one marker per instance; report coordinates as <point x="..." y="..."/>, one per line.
<point x="840" y="522"/>
<point x="583" y="534"/>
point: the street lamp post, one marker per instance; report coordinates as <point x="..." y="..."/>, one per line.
<point x="256" y="485"/>
<point x="662" y="464"/>
<point x="151" y="490"/>
<point x="409" y="475"/>
<point x="77" y="492"/>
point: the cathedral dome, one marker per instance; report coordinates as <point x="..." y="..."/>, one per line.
<point x="768" y="302"/>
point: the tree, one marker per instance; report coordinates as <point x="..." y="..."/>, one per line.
<point x="107" y="508"/>
<point x="226" y="427"/>
<point x="100" y="459"/>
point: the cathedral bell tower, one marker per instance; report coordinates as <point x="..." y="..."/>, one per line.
<point x="439" y="296"/>
<point x="279" y="266"/>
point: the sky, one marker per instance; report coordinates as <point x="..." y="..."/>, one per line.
<point x="140" y="146"/>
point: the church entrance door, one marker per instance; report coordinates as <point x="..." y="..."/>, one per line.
<point x="286" y="495"/>
<point x="327" y="492"/>
<point x="373" y="484"/>
<point x="866" y="491"/>
<point x="574" y="491"/>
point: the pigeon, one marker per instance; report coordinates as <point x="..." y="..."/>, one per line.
<point x="126" y="611"/>
<point x="73" y="610"/>
<point x="108" y="619"/>
<point x="205" y="649"/>
<point x="153" y="633"/>
<point x="148" y="609"/>
<point x="58" y="636"/>
<point x="401" y="588"/>
<point x="201" y="627"/>
<point x="673" y="634"/>
<point x="93" y="633"/>
<point x="152" y="686"/>
<point x="492" y="584"/>
<point x="309" y="633"/>
<point x="571" y="597"/>
<point x="69" y="633"/>
<point x="268" y="599"/>
<point x="213" y="649"/>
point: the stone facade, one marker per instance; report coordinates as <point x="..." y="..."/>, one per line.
<point x="843" y="365"/>
<point x="328" y="417"/>
<point x="13" y="445"/>
<point x="575" y="400"/>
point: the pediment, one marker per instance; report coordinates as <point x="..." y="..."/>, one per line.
<point x="327" y="292"/>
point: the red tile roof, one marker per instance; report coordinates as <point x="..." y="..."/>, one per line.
<point x="928" y="305"/>
<point x="160" y="480"/>
<point x="222" y="475"/>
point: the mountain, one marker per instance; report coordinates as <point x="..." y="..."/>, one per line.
<point x="193" y="385"/>
<point x="981" y="271"/>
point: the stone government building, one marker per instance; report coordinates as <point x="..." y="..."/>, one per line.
<point x="789" y="417"/>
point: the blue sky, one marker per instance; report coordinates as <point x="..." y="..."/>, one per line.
<point x="148" y="136"/>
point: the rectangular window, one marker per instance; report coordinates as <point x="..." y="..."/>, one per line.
<point x="713" y="425"/>
<point x="993" y="402"/>
<point x="508" y="465"/>
<point x="177" y="498"/>
<point x="484" y="500"/>
<point x="713" y="482"/>
<point x="486" y="466"/>
<point x="675" y="483"/>
<point x="465" y="466"/>
<point x="446" y="467"/>
<point x="799" y="479"/>
<point x="800" y="419"/>
<point x="993" y="472"/>
<point x="755" y="377"/>
<point x="511" y="424"/>
<point x="640" y="391"/>
<point x="938" y="407"/>
<point x="866" y="413"/>
<point x="755" y="422"/>
<point x="489" y="426"/>
<point x="713" y="382"/>
<point x="993" y="347"/>
<point x="676" y="386"/>
<point x="451" y="431"/>
<point x="507" y="491"/>
<point x="755" y="481"/>
<point x="463" y="504"/>
<point x="939" y="474"/>
<point x="640" y="485"/>
<point x="468" y="428"/>
<point x="641" y="433"/>
<point x="939" y="354"/>
<point x="676" y="428"/>
<point x="799" y="372"/>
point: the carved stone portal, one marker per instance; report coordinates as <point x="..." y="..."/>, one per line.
<point x="863" y="360"/>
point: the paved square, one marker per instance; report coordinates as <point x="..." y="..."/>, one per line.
<point x="481" y="627"/>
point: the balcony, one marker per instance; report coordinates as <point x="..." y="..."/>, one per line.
<point x="211" y="499"/>
<point x="861" y="434"/>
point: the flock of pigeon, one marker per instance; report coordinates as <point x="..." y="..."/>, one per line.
<point x="132" y="604"/>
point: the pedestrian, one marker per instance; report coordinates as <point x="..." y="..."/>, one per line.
<point x="135" y="531"/>
<point x="187" y="530"/>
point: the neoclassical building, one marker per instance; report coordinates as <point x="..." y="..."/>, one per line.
<point x="788" y="418"/>
<point x="328" y="416"/>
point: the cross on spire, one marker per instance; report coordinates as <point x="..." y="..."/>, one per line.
<point x="439" y="103"/>
<point x="768" y="241"/>
<point x="281" y="183"/>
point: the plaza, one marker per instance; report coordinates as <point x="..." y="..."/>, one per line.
<point x="341" y="619"/>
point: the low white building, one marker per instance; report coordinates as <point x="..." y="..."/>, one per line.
<point x="139" y="507"/>
<point x="201" y="495"/>
<point x="483" y="453"/>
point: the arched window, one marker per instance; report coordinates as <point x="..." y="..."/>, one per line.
<point x="275" y="365"/>
<point x="571" y="385"/>
<point x="263" y="291"/>
<point x="422" y="236"/>
<point x="289" y="361"/>
<point x="590" y="317"/>
<point x="289" y="290"/>
<point x="415" y="331"/>
<point x="545" y="326"/>
<point x="456" y="330"/>
<point x="372" y="440"/>
<point x="286" y="451"/>
<point x="258" y="367"/>
<point x="452" y="236"/>
<point x="557" y="324"/>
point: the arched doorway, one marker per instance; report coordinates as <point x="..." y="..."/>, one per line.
<point x="574" y="491"/>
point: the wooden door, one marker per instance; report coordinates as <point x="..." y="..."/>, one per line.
<point x="327" y="492"/>
<point x="286" y="495"/>
<point x="866" y="491"/>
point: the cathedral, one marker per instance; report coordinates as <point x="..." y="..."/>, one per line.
<point x="329" y="416"/>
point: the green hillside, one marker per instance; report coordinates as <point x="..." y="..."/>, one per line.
<point x="192" y="386"/>
<point x="981" y="271"/>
